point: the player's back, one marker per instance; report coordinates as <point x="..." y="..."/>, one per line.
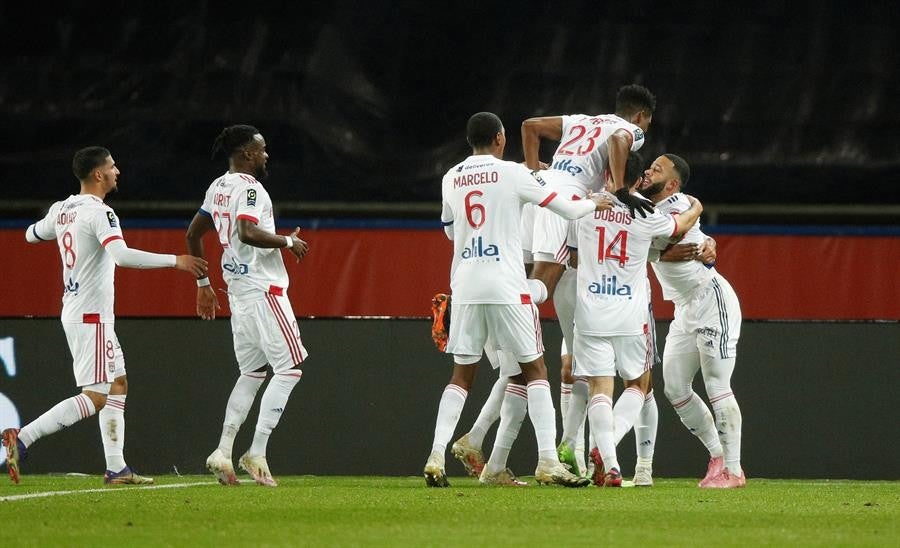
<point x="613" y="246"/>
<point x="245" y="268"/>
<point x="83" y="225"/>
<point x="583" y="153"/>
<point x="482" y="197"/>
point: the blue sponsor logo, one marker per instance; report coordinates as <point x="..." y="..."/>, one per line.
<point x="610" y="286"/>
<point x="568" y="166"/>
<point x="477" y="250"/>
<point x="236" y="268"/>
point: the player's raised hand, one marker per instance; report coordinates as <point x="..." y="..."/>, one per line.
<point x="300" y="248"/>
<point x="602" y="201"/>
<point x="635" y="204"/>
<point x="207" y="303"/>
<point x="194" y="265"/>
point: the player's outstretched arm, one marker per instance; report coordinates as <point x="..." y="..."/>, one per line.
<point x="535" y="129"/>
<point x="136" y="258"/>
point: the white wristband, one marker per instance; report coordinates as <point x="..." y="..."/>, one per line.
<point x="290" y="241"/>
<point x="203" y="282"/>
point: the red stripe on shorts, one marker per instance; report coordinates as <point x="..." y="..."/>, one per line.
<point x="286" y="330"/>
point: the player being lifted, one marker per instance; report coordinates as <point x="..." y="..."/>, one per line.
<point x="91" y="245"/>
<point x="591" y="151"/>
<point x="263" y="324"/>
<point x="482" y="203"/>
<point x="611" y="326"/>
<point x="703" y="335"/>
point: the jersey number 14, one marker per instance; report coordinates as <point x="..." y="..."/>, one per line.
<point x="616" y="249"/>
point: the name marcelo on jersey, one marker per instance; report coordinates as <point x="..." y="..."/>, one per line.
<point x="471" y="179"/>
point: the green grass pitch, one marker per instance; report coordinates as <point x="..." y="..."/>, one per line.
<point x="389" y="511"/>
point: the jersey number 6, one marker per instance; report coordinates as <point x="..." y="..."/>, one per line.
<point x="472" y="208"/>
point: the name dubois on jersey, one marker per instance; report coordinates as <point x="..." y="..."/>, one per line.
<point x="478" y="250"/>
<point x="610" y="286"/>
<point x="615" y="215"/>
<point x="472" y="179"/>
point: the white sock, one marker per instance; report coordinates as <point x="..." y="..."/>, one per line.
<point x="62" y="415"/>
<point x="543" y="418"/>
<point x="271" y="408"/>
<point x="239" y="403"/>
<point x="728" y="423"/>
<point x="512" y="413"/>
<point x="600" y="414"/>
<point x="626" y="411"/>
<point x="538" y="291"/>
<point x="489" y="414"/>
<point x="699" y="421"/>
<point x="574" y="419"/>
<point x="565" y="394"/>
<point x="112" y="431"/>
<point x="645" y="429"/>
<point x="452" y="401"/>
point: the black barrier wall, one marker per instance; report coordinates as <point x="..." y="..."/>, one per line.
<point x="816" y="400"/>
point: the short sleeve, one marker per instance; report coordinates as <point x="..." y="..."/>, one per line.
<point x="207" y="206"/>
<point x="251" y="203"/>
<point x="105" y="224"/>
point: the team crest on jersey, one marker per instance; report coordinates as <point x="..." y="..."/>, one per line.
<point x="251" y="197"/>
<point x="638" y="134"/>
<point x="111" y="217"/>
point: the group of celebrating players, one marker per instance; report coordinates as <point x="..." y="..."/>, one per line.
<point x="580" y="231"/>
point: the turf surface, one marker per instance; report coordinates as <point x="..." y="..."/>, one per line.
<point x="320" y="511"/>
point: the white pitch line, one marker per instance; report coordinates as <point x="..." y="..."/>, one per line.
<point x="102" y="490"/>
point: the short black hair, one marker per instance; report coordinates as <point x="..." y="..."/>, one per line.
<point x="87" y="160"/>
<point x="232" y="138"/>
<point x="482" y="128"/>
<point x="634" y="98"/>
<point x="681" y="168"/>
<point x="634" y="169"/>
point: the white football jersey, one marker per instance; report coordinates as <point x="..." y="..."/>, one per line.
<point x="679" y="279"/>
<point x="613" y="291"/>
<point x="483" y="198"/>
<point x="583" y="153"/>
<point x="82" y="225"/>
<point x="245" y="268"/>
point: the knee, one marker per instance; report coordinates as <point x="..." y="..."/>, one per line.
<point x="677" y="392"/>
<point x="119" y="386"/>
<point x="98" y="399"/>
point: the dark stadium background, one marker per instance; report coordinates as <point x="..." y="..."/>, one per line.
<point x="786" y="111"/>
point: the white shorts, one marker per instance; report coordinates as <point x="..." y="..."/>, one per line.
<point x="96" y="354"/>
<point x="514" y="328"/>
<point x="710" y="323"/>
<point x="265" y="331"/>
<point x="501" y="360"/>
<point x="597" y="356"/>
<point x="549" y="239"/>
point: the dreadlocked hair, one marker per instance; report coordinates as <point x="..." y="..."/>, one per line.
<point x="233" y="138"/>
